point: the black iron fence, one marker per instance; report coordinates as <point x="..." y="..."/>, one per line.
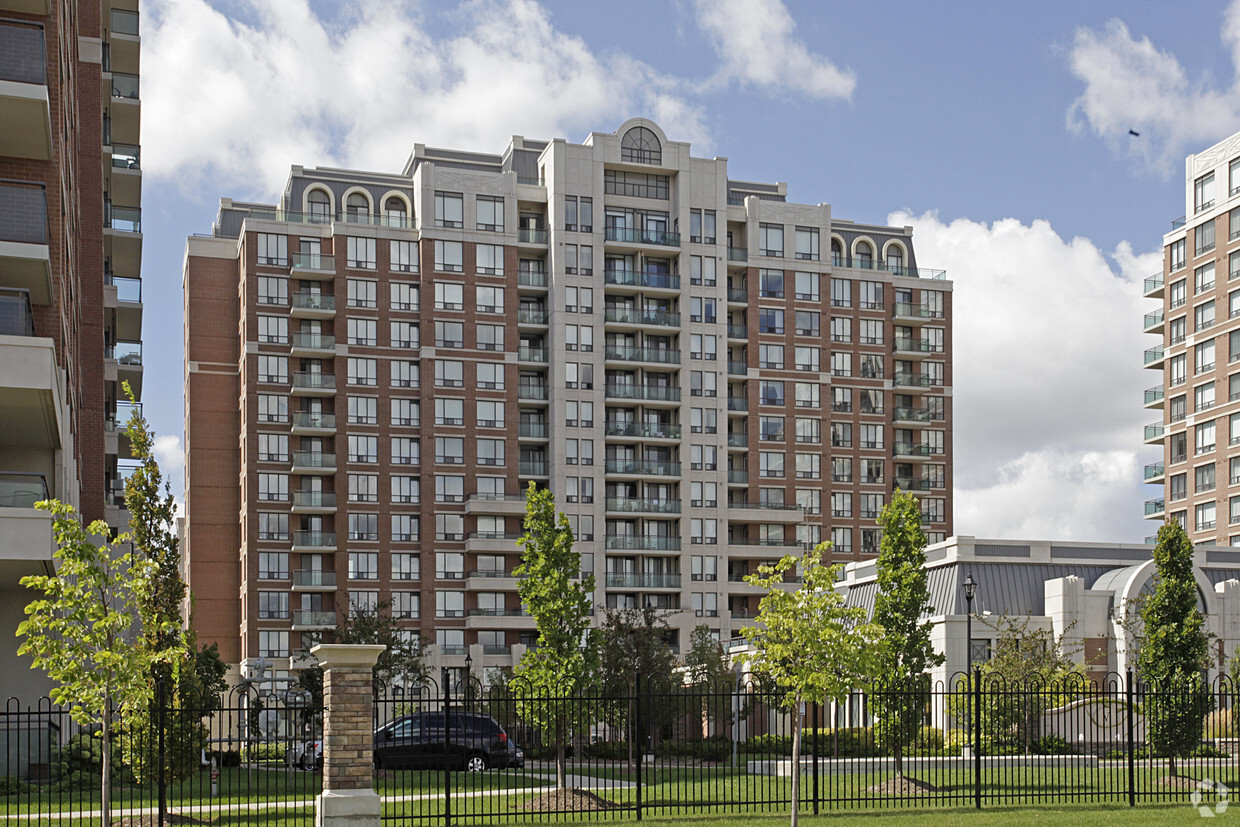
<point x="245" y="757"/>
<point x="468" y="753"/>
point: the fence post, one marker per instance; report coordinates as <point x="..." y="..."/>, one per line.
<point x="348" y="798"/>
<point x="1132" y="767"/>
<point x="637" y="739"/>
<point x="817" y="712"/>
<point x="976" y="677"/>
<point x="162" y="778"/>
<point x="447" y="746"/>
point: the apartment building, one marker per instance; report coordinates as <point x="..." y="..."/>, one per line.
<point x="1198" y="324"/>
<point x="70" y="286"/>
<point x="706" y="375"/>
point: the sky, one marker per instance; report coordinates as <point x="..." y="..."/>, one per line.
<point x="1000" y="133"/>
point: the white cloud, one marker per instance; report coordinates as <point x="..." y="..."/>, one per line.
<point x="756" y="44"/>
<point x="1047" y="387"/>
<point x="1132" y="84"/>
<point x="293" y="88"/>
<point x="169" y="453"/>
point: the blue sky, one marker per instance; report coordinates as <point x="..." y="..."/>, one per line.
<point x="998" y="131"/>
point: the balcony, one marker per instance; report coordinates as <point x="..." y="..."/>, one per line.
<point x="310" y="423"/>
<point x="1154" y="357"/>
<point x="492" y="541"/>
<point x="638" y="278"/>
<point x="314" y="620"/>
<point x="533" y="430"/>
<point x="738" y="403"/>
<point x="633" y="542"/>
<point x="503" y="504"/>
<point x="1154" y="472"/>
<point x="25" y="257"/>
<point x="760" y="512"/>
<point x="911" y="416"/>
<point x="314" y="579"/>
<point x="313" y="344"/>
<point x="642" y="467"/>
<point x="528" y="235"/>
<point x="641" y="505"/>
<point x="531" y="354"/>
<point x="642" y="430"/>
<point x="1153" y="322"/>
<point x="641" y="316"/>
<point x="737" y="368"/>
<point x="313" y="267"/>
<point x="739" y="254"/>
<point x="533" y="468"/>
<point x="738" y="476"/>
<point x="915" y="313"/>
<point x="1154" y="286"/>
<point x="311" y="502"/>
<point x="531" y="316"/>
<point x="911" y="484"/>
<point x="913" y="450"/>
<point x="24" y="106"/>
<point x="637" y="237"/>
<point x="738" y="331"/>
<point x="1155" y="509"/>
<point x="648" y="393"/>
<point x="656" y="355"/>
<point x="309" y="383"/>
<point x="309" y="305"/>
<point x="738" y="440"/>
<point x="913" y="348"/>
<point x="26" y="544"/>
<point x="532" y="278"/>
<point x="738" y="295"/>
<point x="535" y="392"/>
<point x="624" y="580"/>
<point x="912" y="381"/>
<point x="313" y="462"/>
<point x="1153" y="433"/>
<point x="1154" y="396"/>
<point x="314" y="540"/>
<point x="124" y="174"/>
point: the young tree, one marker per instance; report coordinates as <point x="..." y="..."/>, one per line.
<point x="901" y="601"/>
<point x="1174" y="650"/>
<point x="399" y="664"/>
<point x="709" y="676"/>
<point x="565" y="659"/>
<point x="809" y="643"/>
<point x="83" y="631"/>
<point x="632" y="643"/>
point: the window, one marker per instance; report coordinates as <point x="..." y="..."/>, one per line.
<point x="364" y="527"/>
<point x="273" y="369"/>
<point x="771" y="284"/>
<point x="1205" y="514"/>
<point x="449" y="373"/>
<point x="404" y="296"/>
<point x="406" y="450"/>
<point x="871" y="332"/>
<point x="704" y="569"/>
<point x="641" y="145"/>
<point x="809" y="466"/>
<point x="635" y="184"/>
<point x="362" y="332"/>
<point x="841" y="293"/>
<point x="770" y="320"/>
<point x="841" y="329"/>
<point x="449" y="488"/>
<point x="1177" y="373"/>
<point x="273" y="565"/>
<point x="272" y="526"/>
<point x="403" y="256"/>
<point x="702" y="270"/>
<point x="704" y="494"/>
<point x="449" y="411"/>
<point x="1205" y="356"/>
<point x="808" y="323"/>
<point x="273" y="644"/>
<point x="1205" y="437"/>
<point x="489" y="259"/>
<point x="810" y="500"/>
<point x="272" y="290"/>
<point x="449" y="256"/>
<point x="771" y="240"/>
<point x="405" y="529"/>
<point x="360" y="253"/>
<point x="1204" y="278"/>
<point x="272" y="249"/>
<point x="806" y="358"/>
<point x="406" y="605"/>
<point x="406" y="489"/>
<point x="702" y="226"/>
<point x="405" y="374"/>
<point x="841" y="504"/>
<point x="704" y="458"/>
<point x="807" y="243"/>
<point x="449" y="209"/>
<point x="363" y="488"/>
<point x="1203" y="193"/>
<point x="272" y="408"/>
<point x="1203" y="238"/>
<point x="771" y="428"/>
<point x="771" y="357"/>
<point x="841" y="363"/>
<point x="841" y="434"/>
<point x="490" y="376"/>
<point x="807" y="395"/>
<point x="770" y="392"/>
<point x="1177" y="254"/>
<point x="809" y="430"/>
<point x="490" y="452"/>
<point x="489" y="337"/>
<point x="490" y="414"/>
<point x="1177" y="294"/>
<point x="363" y="371"/>
<point x="363" y="448"/>
<point x="1203" y="316"/>
<point x="704" y="420"/>
<point x="1203" y="397"/>
<point x="807" y="286"/>
<point x="489" y="299"/>
<point x="1204" y="478"/>
<point x="871" y="295"/>
<point x="704" y="531"/>
<point x="406" y="413"/>
<point x="362" y="293"/>
<point x="490" y="214"/>
<point x="450" y="334"/>
<point x="450" y="604"/>
<point x="770" y="463"/>
<point x="273" y="487"/>
<point x="1177" y="328"/>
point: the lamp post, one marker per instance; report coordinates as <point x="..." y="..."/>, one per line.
<point x="469" y="671"/>
<point x="970" y="588"/>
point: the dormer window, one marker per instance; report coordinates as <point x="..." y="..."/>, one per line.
<point x="640" y="145"/>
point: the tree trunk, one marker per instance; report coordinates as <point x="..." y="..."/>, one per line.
<point x="561" y="759"/>
<point x="897" y="752"/>
<point x="1171" y="762"/>
<point x="796" y="759"/>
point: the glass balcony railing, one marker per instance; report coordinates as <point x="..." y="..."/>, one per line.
<point x="124" y="86"/>
<point x="313" y="301"/>
<point x="314" y="459"/>
<point x="1153" y="355"/>
<point x="738" y="403"/>
<point x="23" y="213"/>
<point x="637" y="315"/>
<point x="528" y="235"/>
<point x="21" y="52"/>
<point x="1154" y="283"/>
<point x="1153" y="471"/>
<point x="649" y="430"/>
<point x="660" y="355"/>
<point x="630" y="505"/>
<point x="637" y="278"/>
<point x="22" y="490"/>
<point x="738" y="254"/>
<point x="768" y="506"/>
<point x="127" y="353"/>
<point x="912" y="380"/>
<point x="1153" y="431"/>
<point x="314" y="341"/>
<point x="123" y="219"/>
<point x="1153" y="507"/>
<point x="902" y="414"/>
<point x="625" y="580"/>
<point x="650" y="393"/>
<point x="303" y="419"/>
<point x="124" y="22"/>
<point x="531" y="392"/>
<point x="532" y="278"/>
<point x="313" y="261"/>
<point x="657" y="468"/>
<point x="738" y="475"/>
<point x="308" y="618"/>
<point x="533" y="468"/>
<point x="1153" y="319"/>
<point x="914" y="345"/>
<point x="313" y="578"/>
<point x="530" y="316"/>
<point x="634" y="235"/>
<point x="125" y="157"/>
<point x="738" y="440"/>
<point x="627" y="542"/>
<point x="738" y="294"/>
<point x="1154" y="394"/>
<point x="736" y="368"/>
<point x="738" y="331"/>
<point x="533" y="430"/>
<point x="16" y="318"/>
<point x="317" y="539"/>
<point x="314" y="381"/>
<point x="127" y="289"/>
<point x="314" y="499"/>
<point x="916" y="311"/>
<point x="531" y="354"/>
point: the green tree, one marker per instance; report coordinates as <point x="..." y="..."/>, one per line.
<point x="809" y="643"/>
<point x="564" y="661"/>
<point x="1174" y="650"/>
<point x="83" y="631"/>
<point x="400" y="664"/>
<point x="901" y="604"/>
<point x="1022" y="658"/>
<point x="709" y="677"/>
<point x="632" y="645"/>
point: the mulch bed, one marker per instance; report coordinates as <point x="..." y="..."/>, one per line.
<point x="567" y="800"/>
<point x="902" y="785"/>
<point x="1178" y="782"/>
<point x="152" y="819"/>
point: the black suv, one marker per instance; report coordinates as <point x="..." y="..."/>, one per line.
<point x="473" y="742"/>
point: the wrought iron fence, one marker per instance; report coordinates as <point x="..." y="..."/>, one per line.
<point x="246" y="756"/>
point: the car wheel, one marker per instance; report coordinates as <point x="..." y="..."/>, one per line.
<point x="475" y="763"/>
<point x="306" y="762"/>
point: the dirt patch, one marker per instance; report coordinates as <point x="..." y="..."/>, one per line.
<point x="567" y="800"/>
<point x="1178" y="782"/>
<point x="152" y="819"/>
<point x="901" y="786"/>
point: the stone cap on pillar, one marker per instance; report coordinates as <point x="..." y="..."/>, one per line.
<point x="347" y="655"/>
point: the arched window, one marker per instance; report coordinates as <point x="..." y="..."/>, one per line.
<point x="641" y="146"/>
<point x="837" y="253"/>
<point x="394" y="212"/>
<point x="865" y="256"/>
<point x="320" y="207"/>
<point x="895" y="259"/>
<point x="357" y="209"/>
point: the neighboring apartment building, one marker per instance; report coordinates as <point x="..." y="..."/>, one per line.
<point x="1199" y="357"/>
<point x="70" y="288"/>
<point x="706" y="375"/>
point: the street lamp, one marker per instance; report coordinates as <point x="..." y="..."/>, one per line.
<point x="970" y="588"/>
<point x="469" y="671"/>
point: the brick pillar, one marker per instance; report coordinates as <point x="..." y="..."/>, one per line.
<point x="348" y="796"/>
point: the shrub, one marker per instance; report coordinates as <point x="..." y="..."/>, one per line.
<point x="11" y="786"/>
<point x="612" y="750"/>
<point x="226" y="757"/>
<point x="1052" y="745"/>
<point x="713" y="748"/>
<point x="930" y="738"/>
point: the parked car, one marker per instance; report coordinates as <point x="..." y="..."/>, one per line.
<point x="473" y="742"/>
<point x="305" y="754"/>
<point x="518" y="758"/>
